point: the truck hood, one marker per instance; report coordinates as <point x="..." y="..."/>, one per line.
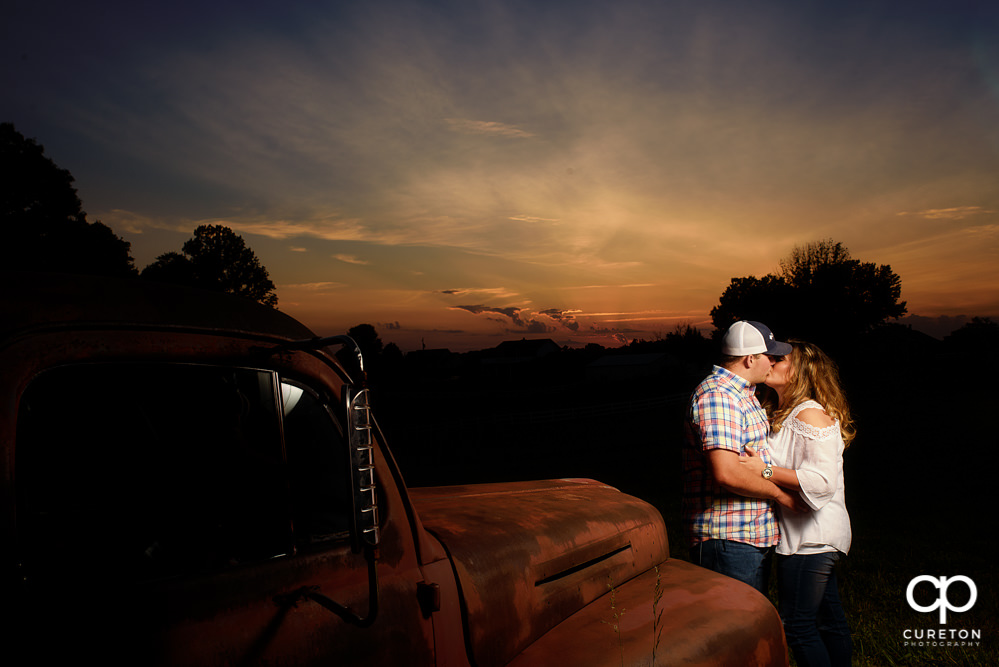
<point x="530" y="554"/>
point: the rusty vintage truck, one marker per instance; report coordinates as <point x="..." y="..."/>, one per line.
<point x="191" y="479"/>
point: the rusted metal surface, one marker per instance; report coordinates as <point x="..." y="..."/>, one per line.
<point x="529" y="554"/>
<point x="707" y="619"/>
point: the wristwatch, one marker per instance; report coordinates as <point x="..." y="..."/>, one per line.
<point x="768" y="472"/>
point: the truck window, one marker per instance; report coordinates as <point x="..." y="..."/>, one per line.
<point x="136" y="472"/>
<point x="318" y="466"/>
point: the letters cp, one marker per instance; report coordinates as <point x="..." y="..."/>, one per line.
<point x="942" y="603"/>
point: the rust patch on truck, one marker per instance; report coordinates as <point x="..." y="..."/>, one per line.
<point x="706" y="619"/>
<point x="528" y="554"/>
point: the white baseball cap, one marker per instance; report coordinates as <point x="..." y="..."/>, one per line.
<point x="747" y="337"/>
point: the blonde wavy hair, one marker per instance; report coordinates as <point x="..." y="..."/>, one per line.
<point x="813" y="376"/>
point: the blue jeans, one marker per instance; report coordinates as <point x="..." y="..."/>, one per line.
<point x="814" y="622"/>
<point x="738" y="560"/>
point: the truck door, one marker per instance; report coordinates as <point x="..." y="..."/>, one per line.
<point x="178" y="514"/>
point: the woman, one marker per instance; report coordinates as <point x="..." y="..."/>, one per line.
<point x="810" y="429"/>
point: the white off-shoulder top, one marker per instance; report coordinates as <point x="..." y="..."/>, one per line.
<point x="817" y="456"/>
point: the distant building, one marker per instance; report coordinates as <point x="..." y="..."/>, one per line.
<point x="521" y="351"/>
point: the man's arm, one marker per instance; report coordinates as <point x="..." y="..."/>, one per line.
<point x="734" y="477"/>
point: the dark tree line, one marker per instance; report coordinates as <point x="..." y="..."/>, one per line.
<point x="44" y="225"/>
<point x="820" y="294"/>
<point x="46" y="230"/>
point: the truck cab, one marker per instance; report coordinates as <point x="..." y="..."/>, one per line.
<point x="188" y="478"/>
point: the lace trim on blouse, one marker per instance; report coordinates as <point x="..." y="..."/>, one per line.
<point x="807" y="430"/>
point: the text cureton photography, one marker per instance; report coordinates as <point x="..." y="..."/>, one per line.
<point x="940" y="587"/>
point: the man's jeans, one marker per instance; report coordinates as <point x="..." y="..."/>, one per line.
<point x="738" y="560"/>
<point x="814" y="623"/>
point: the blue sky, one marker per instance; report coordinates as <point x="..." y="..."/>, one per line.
<point x="459" y="173"/>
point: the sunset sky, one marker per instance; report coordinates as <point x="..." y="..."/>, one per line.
<point x="462" y="173"/>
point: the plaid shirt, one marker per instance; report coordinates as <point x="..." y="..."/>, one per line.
<point x="724" y="414"/>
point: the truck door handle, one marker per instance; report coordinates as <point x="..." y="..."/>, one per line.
<point x="429" y="597"/>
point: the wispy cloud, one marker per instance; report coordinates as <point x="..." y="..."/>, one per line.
<point x="954" y="213"/>
<point x="350" y="259"/>
<point x="329" y="229"/>
<point x="532" y="218"/>
<point x="312" y="287"/>
<point x="496" y="292"/>
<point x="646" y="318"/>
<point x="486" y="127"/>
<point x="566" y="318"/>
<point x="511" y="312"/>
<point x="529" y="320"/>
<point x="130" y="222"/>
<point x="522" y="319"/>
<point x="629" y="286"/>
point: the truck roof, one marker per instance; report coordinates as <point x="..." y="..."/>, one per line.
<point x="51" y="300"/>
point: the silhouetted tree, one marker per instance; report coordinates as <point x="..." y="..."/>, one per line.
<point x="800" y="267"/>
<point x="379" y="359"/>
<point x="366" y="337"/>
<point x="171" y="267"/>
<point x="216" y="259"/>
<point x="821" y="294"/>
<point x="978" y="337"/>
<point x="751" y="298"/>
<point x="44" y="225"/>
<point x="392" y="354"/>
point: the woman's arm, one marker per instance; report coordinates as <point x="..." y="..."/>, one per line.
<point x="822" y="458"/>
<point x="785" y="478"/>
<point x="782" y="477"/>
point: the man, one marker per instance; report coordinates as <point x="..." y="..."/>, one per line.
<point x="727" y="507"/>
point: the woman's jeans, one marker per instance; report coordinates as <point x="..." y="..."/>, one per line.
<point x="814" y="623"/>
